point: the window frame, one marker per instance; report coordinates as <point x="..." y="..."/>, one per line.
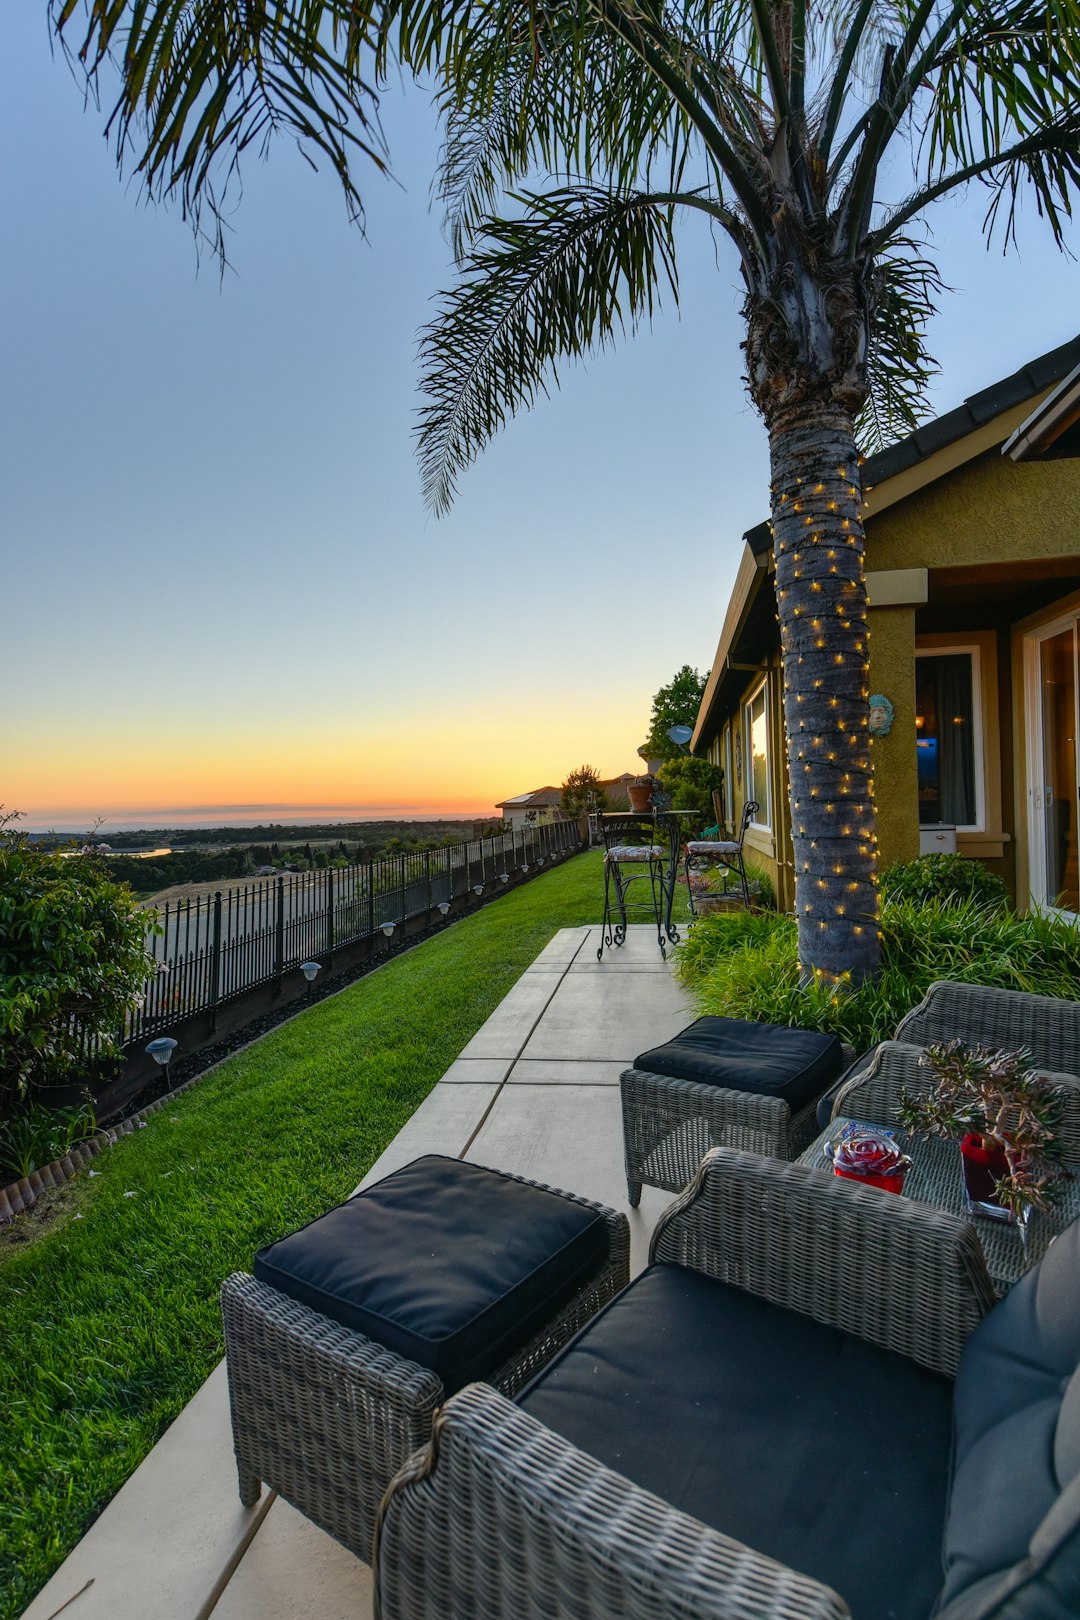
<point x="760" y="690"/>
<point x="974" y="653"/>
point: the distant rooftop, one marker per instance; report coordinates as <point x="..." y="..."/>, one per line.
<point x="539" y="799"/>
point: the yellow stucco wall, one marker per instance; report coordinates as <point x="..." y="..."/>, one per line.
<point x="896" y="786"/>
<point x="989" y="510"/>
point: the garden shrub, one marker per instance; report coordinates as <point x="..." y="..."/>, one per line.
<point x="943" y="877"/>
<point x="73" y="959"/>
<point x="36" y="1136"/>
<point x="744" y="966"/>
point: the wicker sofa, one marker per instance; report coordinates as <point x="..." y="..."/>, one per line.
<point x="934" y="1419"/>
<point x="580" y="1502"/>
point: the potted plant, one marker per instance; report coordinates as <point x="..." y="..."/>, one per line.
<point x="640" y="791"/>
<point x="1005" y="1115"/>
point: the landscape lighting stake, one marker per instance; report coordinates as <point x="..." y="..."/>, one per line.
<point x="478" y="889"/>
<point x="388" y="929"/>
<point x="162" y="1050"/>
<point x="310" y="971"/>
<point x="444" y="906"/>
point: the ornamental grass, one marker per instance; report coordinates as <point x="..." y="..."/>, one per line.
<point x="744" y="966"/>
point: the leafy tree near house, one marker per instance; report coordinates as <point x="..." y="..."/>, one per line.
<point x="582" y="793"/>
<point x="767" y="121"/>
<point x="676" y="704"/>
<point x="73" y="960"/>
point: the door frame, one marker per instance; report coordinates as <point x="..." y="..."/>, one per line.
<point x="1032" y="712"/>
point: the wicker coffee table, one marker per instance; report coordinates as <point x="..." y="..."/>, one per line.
<point x="935" y="1178"/>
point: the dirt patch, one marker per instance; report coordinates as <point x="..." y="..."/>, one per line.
<point x="195" y="891"/>
<point x="53" y="1207"/>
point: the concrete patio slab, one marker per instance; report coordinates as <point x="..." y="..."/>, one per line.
<point x="563" y="948"/>
<point x="616" y="1016"/>
<point x="445" y="1122"/>
<point x="488" y="1071"/>
<point x="295" y="1571"/>
<point x="564" y="1072"/>
<point x="513" y="1020"/>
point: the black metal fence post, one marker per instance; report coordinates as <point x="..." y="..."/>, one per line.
<point x="279" y="939"/>
<point x="215" y="961"/>
<point x="329" y="915"/>
<point x="371" y="898"/>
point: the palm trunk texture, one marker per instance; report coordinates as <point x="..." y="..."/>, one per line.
<point x="821" y="605"/>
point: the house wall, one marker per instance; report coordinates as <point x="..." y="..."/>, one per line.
<point x="990" y="510"/>
<point x="896" y="786"/>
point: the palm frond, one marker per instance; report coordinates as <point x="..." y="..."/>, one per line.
<point x="899" y="365"/>
<point x="576" y="268"/>
<point x="1008" y="80"/>
<point x="202" y="83"/>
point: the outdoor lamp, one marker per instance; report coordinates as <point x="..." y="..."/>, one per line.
<point x="504" y="877"/>
<point x="524" y="866"/>
<point x="388" y="929"/>
<point x="309" y="970"/>
<point x="478" y="888"/>
<point x="162" y="1050"/>
<point x="444" y="906"/>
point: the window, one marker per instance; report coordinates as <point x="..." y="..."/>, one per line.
<point x="756" y="736"/>
<point x="948" y="739"/>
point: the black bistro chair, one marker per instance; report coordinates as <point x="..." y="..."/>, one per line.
<point x="632" y="854"/>
<point x="726" y="853"/>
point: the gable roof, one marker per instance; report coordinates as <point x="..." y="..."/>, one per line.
<point x="910" y="462"/>
<point x="539" y="799"/>
<point x="1052" y="431"/>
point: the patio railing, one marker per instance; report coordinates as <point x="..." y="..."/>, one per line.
<point x="220" y="946"/>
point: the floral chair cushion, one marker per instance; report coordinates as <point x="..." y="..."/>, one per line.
<point x="635" y="852"/>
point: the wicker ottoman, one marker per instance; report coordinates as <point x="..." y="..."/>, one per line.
<point x="723" y="1082"/>
<point x="355" y="1329"/>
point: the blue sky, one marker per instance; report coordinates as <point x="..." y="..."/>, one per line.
<point x="220" y="584"/>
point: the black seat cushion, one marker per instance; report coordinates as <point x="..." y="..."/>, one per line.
<point x="772" y="1059"/>
<point x="1012" y="1539"/>
<point x="803" y="1442"/>
<point x="453" y="1266"/>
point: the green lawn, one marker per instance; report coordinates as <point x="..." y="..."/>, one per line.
<point x="110" y="1317"/>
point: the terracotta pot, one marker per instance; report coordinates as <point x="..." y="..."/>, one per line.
<point x="640" y="796"/>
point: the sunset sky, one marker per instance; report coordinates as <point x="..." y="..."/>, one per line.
<point x="222" y="596"/>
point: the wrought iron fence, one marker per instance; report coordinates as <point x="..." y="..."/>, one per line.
<point x="217" y="947"/>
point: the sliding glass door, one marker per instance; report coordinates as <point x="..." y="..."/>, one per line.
<point x="1052" y="689"/>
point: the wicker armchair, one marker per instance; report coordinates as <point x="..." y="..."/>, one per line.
<point x="1048" y="1026"/>
<point x="872" y="1093"/>
<point x="326" y="1417"/>
<point x="499" y="1518"/>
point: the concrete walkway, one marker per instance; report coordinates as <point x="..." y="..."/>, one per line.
<point x="534" y="1092"/>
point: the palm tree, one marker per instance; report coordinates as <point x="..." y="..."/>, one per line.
<point x="769" y="121"/>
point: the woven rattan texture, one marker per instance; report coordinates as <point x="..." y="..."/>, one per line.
<point x="894" y="1272"/>
<point x="326" y="1417"/>
<point x="669" y="1125"/>
<point x="500" y="1519"/>
<point x="1007" y="1019"/>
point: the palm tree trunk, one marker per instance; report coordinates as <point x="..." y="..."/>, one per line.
<point x="821" y="604"/>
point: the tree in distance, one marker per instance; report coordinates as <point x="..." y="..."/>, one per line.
<point x="582" y="793"/>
